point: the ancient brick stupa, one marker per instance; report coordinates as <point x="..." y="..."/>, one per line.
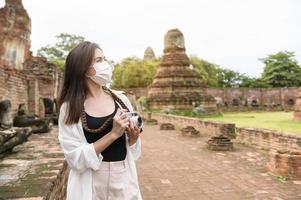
<point x="15" y="29"/>
<point x="297" y="113"/>
<point x="149" y="53"/>
<point x="175" y="84"/>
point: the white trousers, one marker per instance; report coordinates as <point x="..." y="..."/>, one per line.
<point x="114" y="182"/>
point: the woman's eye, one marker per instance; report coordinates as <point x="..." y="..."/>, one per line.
<point x="103" y="59"/>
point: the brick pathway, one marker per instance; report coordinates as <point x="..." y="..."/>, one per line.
<point x="181" y="168"/>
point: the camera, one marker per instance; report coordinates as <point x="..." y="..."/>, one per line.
<point x="136" y="119"/>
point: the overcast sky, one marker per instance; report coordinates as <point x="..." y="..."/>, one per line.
<point x="230" y="33"/>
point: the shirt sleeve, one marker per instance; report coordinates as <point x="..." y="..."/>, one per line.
<point x="78" y="154"/>
<point x="136" y="147"/>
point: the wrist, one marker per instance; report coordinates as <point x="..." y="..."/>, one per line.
<point x="114" y="135"/>
<point x="131" y="142"/>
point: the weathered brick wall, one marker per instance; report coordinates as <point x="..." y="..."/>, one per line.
<point x="33" y="95"/>
<point x="270" y="97"/>
<point x="259" y="138"/>
<point x="19" y="87"/>
<point x="45" y="90"/>
<point x="285" y="163"/>
<point x="251" y="97"/>
<point x="13" y="87"/>
<point x="268" y="139"/>
<point x="205" y="127"/>
<point x="297" y="113"/>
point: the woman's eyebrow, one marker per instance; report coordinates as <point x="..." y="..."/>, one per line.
<point x="99" y="57"/>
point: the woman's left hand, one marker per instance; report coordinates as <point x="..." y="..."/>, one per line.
<point x="133" y="133"/>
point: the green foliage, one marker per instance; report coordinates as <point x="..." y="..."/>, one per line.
<point x="215" y="76"/>
<point x="58" y="62"/>
<point x="228" y="78"/>
<point x="282" y="179"/>
<point x="281" y="121"/>
<point x="190" y="113"/>
<point x="281" y="70"/>
<point x="249" y="82"/>
<point x="133" y="72"/>
<point x="58" y="52"/>
<point x="207" y="71"/>
<point x="143" y="101"/>
<point x="153" y="110"/>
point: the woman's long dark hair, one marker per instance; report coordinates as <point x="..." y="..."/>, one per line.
<point x="75" y="86"/>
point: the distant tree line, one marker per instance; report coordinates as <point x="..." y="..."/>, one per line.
<point x="281" y="69"/>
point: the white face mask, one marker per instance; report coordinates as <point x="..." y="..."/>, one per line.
<point x="103" y="73"/>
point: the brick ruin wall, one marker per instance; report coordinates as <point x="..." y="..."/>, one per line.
<point x="254" y="98"/>
<point x="13" y="87"/>
<point x="268" y="139"/>
<point x="284" y="149"/>
<point x="20" y="88"/>
<point x="256" y="137"/>
<point x="205" y="127"/>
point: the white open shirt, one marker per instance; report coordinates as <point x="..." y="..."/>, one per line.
<point x="82" y="158"/>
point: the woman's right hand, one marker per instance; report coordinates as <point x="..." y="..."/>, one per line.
<point x="120" y="123"/>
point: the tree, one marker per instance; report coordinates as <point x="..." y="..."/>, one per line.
<point x="281" y="70"/>
<point x="58" y="52"/>
<point x="249" y="82"/>
<point x="215" y="76"/>
<point x="208" y="71"/>
<point x="228" y="78"/>
<point x="133" y="72"/>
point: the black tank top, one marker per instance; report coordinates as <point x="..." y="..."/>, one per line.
<point x="117" y="150"/>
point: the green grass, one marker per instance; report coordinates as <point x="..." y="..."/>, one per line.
<point x="281" y="121"/>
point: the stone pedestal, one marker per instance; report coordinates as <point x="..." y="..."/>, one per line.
<point x="190" y="131"/>
<point x="285" y="163"/>
<point x="167" y="126"/>
<point x="220" y="143"/>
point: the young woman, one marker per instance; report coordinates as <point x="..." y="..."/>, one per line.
<point x="99" y="141"/>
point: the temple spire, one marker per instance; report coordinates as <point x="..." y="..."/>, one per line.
<point x="175" y="83"/>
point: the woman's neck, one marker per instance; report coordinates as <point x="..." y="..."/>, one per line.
<point x="95" y="90"/>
